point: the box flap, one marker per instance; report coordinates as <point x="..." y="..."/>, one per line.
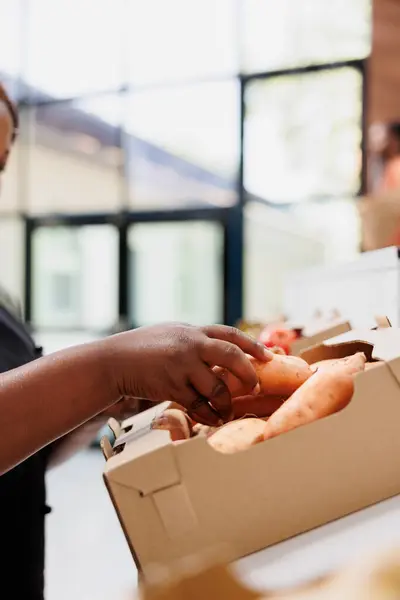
<point x="328" y="350"/>
<point x="313" y="337"/>
<point x="172" y="501"/>
<point x="377" y="344"/>
<point x="144" y="418"/>
<point x="156" y="469"/>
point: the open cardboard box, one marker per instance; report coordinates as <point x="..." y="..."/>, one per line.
<point x="314" y="334"/>
<point x="311" y="336"/>
<point x="176" y="499"/>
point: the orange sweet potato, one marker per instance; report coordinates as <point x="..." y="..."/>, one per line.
<point x="280" y="376"/>
<point x="353" y="364"/>
<point x="256" y="406"/>
<point x="203" y="430"/>
<point x="324" y="393"/>
<point x="238" y="435"/>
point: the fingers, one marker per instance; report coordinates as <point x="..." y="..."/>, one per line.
<point x="210" y="386"/>
<point x="230" y="357"/>
<point x="200" y="410"/>
<point x="240" y="339"/>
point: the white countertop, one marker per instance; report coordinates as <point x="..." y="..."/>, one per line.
<point x="323" y="549"/>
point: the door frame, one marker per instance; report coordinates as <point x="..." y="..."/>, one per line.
<point x="230" y="218"/>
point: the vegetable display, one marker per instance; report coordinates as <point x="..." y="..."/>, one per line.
<point x="292" y="394"/>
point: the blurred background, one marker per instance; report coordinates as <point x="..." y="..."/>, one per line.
<point x="176" y="160"/>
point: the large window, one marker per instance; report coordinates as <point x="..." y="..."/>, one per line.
<point x="75" y="278"/>
<point x="11" y="44"/>
<point x="292" y="33"/>
<point x="307" y="148"/>
<point x="182" y="146"/>
<point x="177" y="272"/>
<point x="177" y="40"/>
<point x="73" y="48"/>
<point x="72" y="154"/>
<point x="242" y="116"/>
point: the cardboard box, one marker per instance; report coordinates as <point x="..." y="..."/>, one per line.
<point x="176" y="499"/>
<point x="311" y="336"/>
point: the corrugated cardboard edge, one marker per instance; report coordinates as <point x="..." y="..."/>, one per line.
<point x="121" y="522"/>
<point x="302" y="344"/>
<point x="299" y="346"/>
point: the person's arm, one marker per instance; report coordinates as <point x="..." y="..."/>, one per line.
<point x="81" y="437"/>
<point x="72" y="443"/>
<point x="51" y="396"/>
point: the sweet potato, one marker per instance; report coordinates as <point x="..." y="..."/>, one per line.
<point x="203" y="430"/>
<point x="256" y="406"/>
<point x="176" y="421"/>
<point x="280" y="376"/>
<point x="324" y="393"/>
<point x="353" y="364"/>
<point x="237" y="435"/>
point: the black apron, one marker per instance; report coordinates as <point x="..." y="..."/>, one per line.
<point x="22" y="490"/>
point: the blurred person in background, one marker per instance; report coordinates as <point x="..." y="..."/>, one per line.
<point x="384" y="159"/>
<point x="384" y="177"/>
<point x="22" y="490"/>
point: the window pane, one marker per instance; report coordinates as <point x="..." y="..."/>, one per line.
<point x="177" y="272"/>
<point x="75" y="277"/>
<point x="75" y="47"/>
<point x="278" y="242"/>
<point x="305" y="148"/>
<point x="183" y="145"/>
<point x="291" y="33"/>
<point x="178" y="40"/>
<point x="74" y="159"/>
<point x="11" y="19"/>
<point x="12" y="240"/>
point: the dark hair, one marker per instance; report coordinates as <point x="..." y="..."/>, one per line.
<point x="4" y="97"/>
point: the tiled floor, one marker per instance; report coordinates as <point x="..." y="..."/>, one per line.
<point x="87" y="555"/>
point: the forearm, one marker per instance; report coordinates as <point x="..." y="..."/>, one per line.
<point x="48" y="398"/>
<point x="79" y="439"/>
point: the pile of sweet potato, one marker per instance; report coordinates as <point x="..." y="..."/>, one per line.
<point x="292" y="393"/>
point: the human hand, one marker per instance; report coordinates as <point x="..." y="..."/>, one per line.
<point x="127" y="407"/>
<point x="174" y="362"/>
